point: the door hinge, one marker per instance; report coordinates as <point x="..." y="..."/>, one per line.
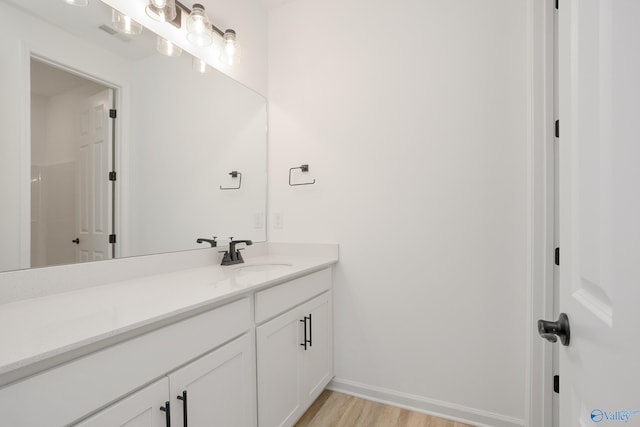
<point x="557" y="129"/>
<point x="112" y="238"/>
<point x="113" y="113"/>
<point x="112" y="176"/>
<point x="557" y="256"/>
<point x="556" y="383"/>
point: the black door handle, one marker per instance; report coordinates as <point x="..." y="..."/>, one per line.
<point x="551" y="331"/>
<point x="76" y="241"/>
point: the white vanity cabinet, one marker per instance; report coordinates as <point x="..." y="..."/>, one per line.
<point x="216" y="389"/>
<point x="238" y="350"/>
<point x="294" y="349"/>
<point x="190" y="354"/>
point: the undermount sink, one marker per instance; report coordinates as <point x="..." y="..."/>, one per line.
<point x="259" y="268"/>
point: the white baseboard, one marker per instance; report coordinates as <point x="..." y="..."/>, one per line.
<point x="437" y="408"/>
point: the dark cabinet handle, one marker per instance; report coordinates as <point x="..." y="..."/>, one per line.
<point x="551" y="331"/>
<point x="167" y="413"/>
<point x="307" y="338"/>
<point x="310" y="331"/>
<point x="76" y="241"/>
<point x="304" y="343"/>
<point x="183" y="397"/>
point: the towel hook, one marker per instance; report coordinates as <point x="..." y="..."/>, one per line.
<point x="303" y="168"/>
<point x="234" y="174"/>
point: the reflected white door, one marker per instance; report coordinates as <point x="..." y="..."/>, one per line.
<point x="600" y="211"/>
<point x="94" y="189"/>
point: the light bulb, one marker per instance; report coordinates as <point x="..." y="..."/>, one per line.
<point x="162" y="10"/>
<point x="200" y="65"/>
<point x="125" y="24"/>
<point x="230" y="54"/>
<point x="199" y="27"/>
<point x="167" y="48"/>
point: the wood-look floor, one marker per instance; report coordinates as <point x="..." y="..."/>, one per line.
<point x="334" y="409"/>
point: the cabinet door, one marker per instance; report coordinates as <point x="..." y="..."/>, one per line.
<point x="279" y="358"/>
<point x="219" y="388"/>
<point x="141" y="409"/>
<point x="317" y="361"/>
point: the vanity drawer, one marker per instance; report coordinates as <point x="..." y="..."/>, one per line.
<point x="65" y="393"/>
<point x="280" y="298"/>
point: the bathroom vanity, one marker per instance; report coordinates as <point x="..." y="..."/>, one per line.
<point x="242" y="345"/>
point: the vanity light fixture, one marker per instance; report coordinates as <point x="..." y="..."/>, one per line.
<point x="125" y="24"/>
<point x="200" y="65"/>
<point x="80" y="3"/>
<point x="200" y="32"/>
<point x="168" y="48"/>
<point x="199" y="29"/>
<point x="162" y="10"/>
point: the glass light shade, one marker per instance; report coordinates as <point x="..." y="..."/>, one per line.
<point x="230" y="54"/>
<point x="167" y="48"/>
<point x="199" y="27"/>
<point x="80" y="3"/>
<point x="162" y="10"/>
<point x="124" y="24"/>
<point x="201" y="66"/>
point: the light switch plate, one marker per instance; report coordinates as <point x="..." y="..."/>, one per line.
<point x="278" y="220"/>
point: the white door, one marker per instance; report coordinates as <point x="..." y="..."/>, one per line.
<point x="216" y="389"/>
<point x="141" y="409"/>
<point x="94" y="189"/>
<point x="600" y="211"/>
<point x="279" y="359"/>
<point x="317" y="360"/>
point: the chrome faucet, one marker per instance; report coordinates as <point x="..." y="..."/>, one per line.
<point x="233" y="256"/>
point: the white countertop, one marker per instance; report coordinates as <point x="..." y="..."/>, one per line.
<point x="38" y="329"/>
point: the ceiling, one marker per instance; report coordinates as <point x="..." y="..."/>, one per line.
<point x="84" y="22"/>
<point x="48" y="81"/>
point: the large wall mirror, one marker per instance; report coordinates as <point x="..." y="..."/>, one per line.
<point x="188" y="149"/>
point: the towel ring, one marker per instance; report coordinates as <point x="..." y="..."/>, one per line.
<point x="303" y="168"/>
<point x="234" y="174"/>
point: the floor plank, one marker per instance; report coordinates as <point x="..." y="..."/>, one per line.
<point x="333" y="409"/>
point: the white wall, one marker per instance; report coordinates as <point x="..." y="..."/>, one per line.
<point x="412" y="117"/>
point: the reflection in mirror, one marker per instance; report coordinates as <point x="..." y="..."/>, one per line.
<point x="72" y="142"/>
<point x="177" y="137"/>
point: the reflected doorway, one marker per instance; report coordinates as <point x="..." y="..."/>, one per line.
<point x="72" y="152"/>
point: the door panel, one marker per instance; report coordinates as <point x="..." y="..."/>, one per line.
<point x="317" y="359"/>
<point x="94" y="192"/>
<point x="279" y="359"/>
<point x="599" y="202"/>
<point x="219" y="386"/>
